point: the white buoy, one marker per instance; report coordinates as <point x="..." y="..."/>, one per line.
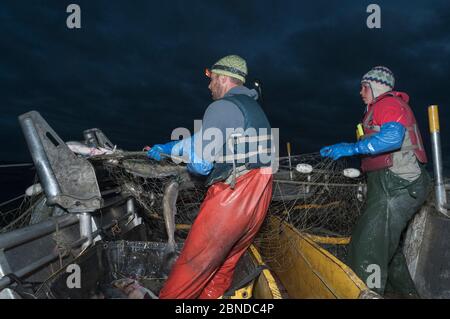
<point x="351" y="172"/>
<point x="304" y="168"/>
<point x="33" y="190"/>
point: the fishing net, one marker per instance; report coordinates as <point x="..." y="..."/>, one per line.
<point x="146" y="181"/>
<point x="17" y="212"/>
<point x="310" y="194"/>
<point x="315" y="196"/>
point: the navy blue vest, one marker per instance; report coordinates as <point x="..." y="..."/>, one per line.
<point x="250" y="147"/>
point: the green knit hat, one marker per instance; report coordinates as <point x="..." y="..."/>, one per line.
<point x="232" y="65"/>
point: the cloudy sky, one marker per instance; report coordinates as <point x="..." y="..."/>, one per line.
<point x="135" y="69"/>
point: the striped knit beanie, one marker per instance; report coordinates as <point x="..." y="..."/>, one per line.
<point x="380" y="79"/>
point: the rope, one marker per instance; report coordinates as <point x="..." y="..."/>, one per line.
<point x="21" y="287"/>
<point x="63" y="244"/>
<point x="16" y="165"/>
<point x="12" y="200"/>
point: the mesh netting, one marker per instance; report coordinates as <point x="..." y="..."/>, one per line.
<point x="324" y="201"/>
<point x="314" y="197"/>
<point x="147" y="181"/>
<point x="319" y="200"/>
<point x="17" y="212"/>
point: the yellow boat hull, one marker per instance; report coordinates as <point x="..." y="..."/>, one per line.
<point x="312" y="271"/>
<point x="264" y="286"/>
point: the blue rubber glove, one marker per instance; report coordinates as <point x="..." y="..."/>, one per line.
<point x="338" y="150"/>
<point x="389" y="138"/>
<point x="197" y="164"/>
<point x="200" y="168"/>
<point x="185" y="148"/>
<point x="157" y="149"/>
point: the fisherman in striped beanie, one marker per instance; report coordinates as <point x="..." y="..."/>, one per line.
<point x="380" y="79"/>
<point x="393" y="157"/>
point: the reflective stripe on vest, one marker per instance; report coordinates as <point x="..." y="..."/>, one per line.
<point x="251" y="146"/>
<point x="238" y="141"/>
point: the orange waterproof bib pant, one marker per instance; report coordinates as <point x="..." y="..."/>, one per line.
<point x="228" y="221"/>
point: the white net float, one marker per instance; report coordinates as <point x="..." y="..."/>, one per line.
<point x="304" y="168"/>
<point x="351" y="172"/>
<point x="33" y="190"/>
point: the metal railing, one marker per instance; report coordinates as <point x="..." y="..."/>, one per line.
<point x="27" y="234"/>
<point x="439" y="185"/>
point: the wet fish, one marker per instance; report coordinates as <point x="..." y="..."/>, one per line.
<point x="109" y="291"/>
<point x="145" y="168"/>
<point x="83" y="149"/>
<point x="132" y="289"/>
<point x="169" y="211"/>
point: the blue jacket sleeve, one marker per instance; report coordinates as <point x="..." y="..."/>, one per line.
<point x="388" y="139"/>
<point x="196" y="163"/>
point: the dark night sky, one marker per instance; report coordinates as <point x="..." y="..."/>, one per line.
<point x="136" y="68"/>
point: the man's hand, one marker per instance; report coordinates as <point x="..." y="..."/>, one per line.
<point x="337" y="151"/>
<point x="155" y="152"/>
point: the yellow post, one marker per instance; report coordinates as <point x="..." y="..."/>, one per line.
<point x="433" y="118"/>
<point x="439" y="187"/>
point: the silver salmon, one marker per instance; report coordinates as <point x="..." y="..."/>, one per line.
<point x="169" y="211"/>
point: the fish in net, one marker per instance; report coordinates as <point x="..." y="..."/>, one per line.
<point x="314" y="195"/>
<point x="317" y="196"/>
<point x="147" y="181"/>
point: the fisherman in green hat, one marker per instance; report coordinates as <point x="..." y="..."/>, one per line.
<point x="239" y="177"/>
<point x="234" y="69"/>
